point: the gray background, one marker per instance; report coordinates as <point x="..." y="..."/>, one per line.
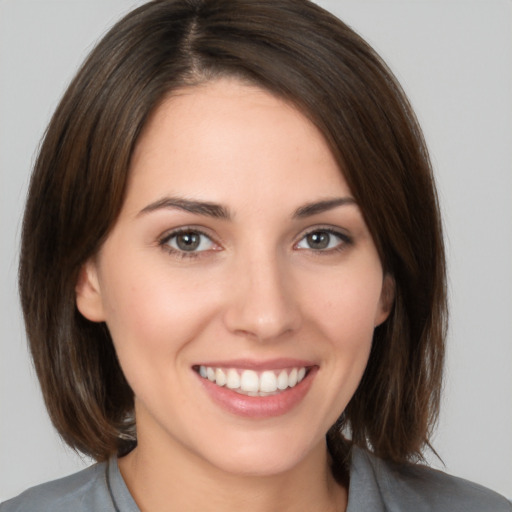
<point x="454" y="61"/>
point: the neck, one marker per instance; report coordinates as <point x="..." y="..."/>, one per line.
<point x="177" y="479"/>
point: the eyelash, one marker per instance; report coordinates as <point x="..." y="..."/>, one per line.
<point x="345" y="240"/>
<point x="164" y="242"/>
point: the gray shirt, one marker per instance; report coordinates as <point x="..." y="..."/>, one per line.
<point x="375" y="486"/>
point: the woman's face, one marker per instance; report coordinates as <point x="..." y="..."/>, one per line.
<point x="240" y="283"/>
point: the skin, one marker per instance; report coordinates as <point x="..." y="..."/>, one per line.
<point x="254" y="289"/>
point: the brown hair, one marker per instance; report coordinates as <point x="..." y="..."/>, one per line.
<point x="302" y="53"/>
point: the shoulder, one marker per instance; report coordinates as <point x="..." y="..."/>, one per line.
<point x="420" y="488"/>
<point x="83" y="491"/>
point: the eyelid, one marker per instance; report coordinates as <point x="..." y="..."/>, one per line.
<point x="163" y="241"/>
<point x="345" y="238"/>
<point x="167" y="235"/>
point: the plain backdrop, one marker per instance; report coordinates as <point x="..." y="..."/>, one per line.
<point x="454" y="59"/>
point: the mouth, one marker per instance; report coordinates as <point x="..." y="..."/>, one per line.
<point x="257" y="389"/>
<point x="254" y="383"/>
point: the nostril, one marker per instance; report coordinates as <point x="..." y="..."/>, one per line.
<point x="262" y="322"/>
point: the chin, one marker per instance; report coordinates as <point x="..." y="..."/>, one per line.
<point x="264" y="454"/>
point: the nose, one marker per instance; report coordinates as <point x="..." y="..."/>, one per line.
<point x="262" y="304"/>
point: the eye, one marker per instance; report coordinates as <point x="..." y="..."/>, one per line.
<point x="323" y="240"/>
<point x="189" y="240"/>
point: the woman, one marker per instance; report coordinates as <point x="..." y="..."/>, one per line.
<point x="234" y="235"/>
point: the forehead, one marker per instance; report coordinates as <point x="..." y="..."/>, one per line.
<point x="225" y="139"/>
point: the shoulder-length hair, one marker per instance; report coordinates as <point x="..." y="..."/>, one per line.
<point x="305" y="55"/>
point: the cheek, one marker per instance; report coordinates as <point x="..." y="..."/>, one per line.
<point x="152" y="312"/>
<point x="346" y="304"/>
<point x="344" y="315"/>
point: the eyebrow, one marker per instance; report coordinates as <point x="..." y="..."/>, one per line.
<point x="198" y="207"/>
<point x="220" y="212"/>
<point x="316" y="207"/>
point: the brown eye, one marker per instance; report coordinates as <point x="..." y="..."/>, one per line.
<point x="318" y="240"/>
<point x="189" y="241"/>
<point x="323" y="239"/>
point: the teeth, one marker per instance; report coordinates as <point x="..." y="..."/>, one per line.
<point x="220" y="377"/>
<point x="282" y="380"/>
<point x="268" y="382"/>
<point x="292" y="378"/>
<point x="233" y="379"/>
<point x="249" y="382"/>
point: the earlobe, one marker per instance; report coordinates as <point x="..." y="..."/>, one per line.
<point x="387" y="298"/>
<point x="88" y="293"/>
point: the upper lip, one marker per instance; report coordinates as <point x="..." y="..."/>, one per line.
<point x="259" y="365"/>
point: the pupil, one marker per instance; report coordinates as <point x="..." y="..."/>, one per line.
<point x="318" y="240"/>
<point x="188" y="241"/>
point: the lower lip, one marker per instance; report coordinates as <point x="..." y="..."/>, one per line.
<point x="259" y="406"/>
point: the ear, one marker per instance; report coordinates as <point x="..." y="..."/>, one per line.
<point x="88" y="293"/>
<point x="387" y="298"/>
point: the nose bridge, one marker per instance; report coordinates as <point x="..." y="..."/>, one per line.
<point x="262" y="303"/>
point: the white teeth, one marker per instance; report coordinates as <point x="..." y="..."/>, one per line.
<point x="249" y="382"/>
<point x="268" y="382"/>
<point x="220" y="377"/>
<point x="233" y="379"/>
<point x="282" y="380"/>
<point x="292" y="378"/>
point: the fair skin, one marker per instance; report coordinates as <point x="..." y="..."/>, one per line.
<point x="239" y="252"/>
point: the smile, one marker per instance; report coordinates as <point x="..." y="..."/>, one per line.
<point x="251" y="382"/>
